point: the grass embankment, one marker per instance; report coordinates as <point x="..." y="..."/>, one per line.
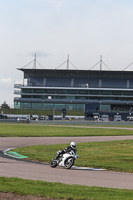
<point x="61" y="191"/>
<point x="40" y="112"/>
<point x="114" y="155"/>
<point x="30" y="130"/>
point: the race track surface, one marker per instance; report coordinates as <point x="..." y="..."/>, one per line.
<point x="41" y="171"/>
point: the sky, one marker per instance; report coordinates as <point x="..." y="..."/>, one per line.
<point x="54" y="29"/>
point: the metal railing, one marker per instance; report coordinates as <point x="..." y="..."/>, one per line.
<point x="18" y="92"/>
<point x="18" y="85"/>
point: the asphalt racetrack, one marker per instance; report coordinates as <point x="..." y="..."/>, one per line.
<point x="41" y="171"/>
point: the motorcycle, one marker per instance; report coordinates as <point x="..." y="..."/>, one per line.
<point x="66" y="160"/>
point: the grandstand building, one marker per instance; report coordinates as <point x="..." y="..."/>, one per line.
<point x="97" y="92"/>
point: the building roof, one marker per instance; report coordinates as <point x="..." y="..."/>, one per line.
<point x="76" y="73"/>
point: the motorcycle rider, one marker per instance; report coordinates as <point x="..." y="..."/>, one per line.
<point x="71" y="147"/>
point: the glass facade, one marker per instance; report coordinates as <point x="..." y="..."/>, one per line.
<point x="76" y="94"/>
<point x="17" y="105"/>
<point x="105" y="108"/>
<point x="70" y="94"/>
<point x="51" y="106"/>
<point x="73" y="89"/>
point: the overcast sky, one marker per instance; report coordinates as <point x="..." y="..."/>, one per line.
<point x="84" y="29"/>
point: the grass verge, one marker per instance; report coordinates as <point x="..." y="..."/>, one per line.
<point x="112" y="155"/>
<point x="61" y="191"/>
<point x="15" y="130"/>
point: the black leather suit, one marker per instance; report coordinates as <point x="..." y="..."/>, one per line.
<point x="66" y="150"/>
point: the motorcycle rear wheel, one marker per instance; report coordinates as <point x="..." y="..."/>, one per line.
<point x="69" y="163"/>
<point x="53" y="163"/>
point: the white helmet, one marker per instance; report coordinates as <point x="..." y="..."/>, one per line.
<point x="73" y="145"/>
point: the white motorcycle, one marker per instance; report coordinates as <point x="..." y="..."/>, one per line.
<point x="66" y="160"/>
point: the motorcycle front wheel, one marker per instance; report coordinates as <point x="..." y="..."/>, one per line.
<point x="53" y="163"/>
<point x="69" y="162"/>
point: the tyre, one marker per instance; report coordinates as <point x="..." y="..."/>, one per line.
<point x="53" y="163"/>
<point x="69" y="162"/>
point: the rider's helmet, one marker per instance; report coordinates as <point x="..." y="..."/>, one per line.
<point x="73" y="145"/>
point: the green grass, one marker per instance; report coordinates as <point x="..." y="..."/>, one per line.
<point x="62" y="191"/>
<point x="28" y="130"/>
<point x="114" y="155"/>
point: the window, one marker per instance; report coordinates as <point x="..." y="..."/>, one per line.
<point x="72" y="91"/>
<point x="96" y="92"/>
<point x="27" y="96"/>
<point x="37" y="106"/>
<point x="26" y="90"/>
<point x="38" y="90"/>
<point x="61" y="91"/>
<point x="83" y="91"/>
<point x="37" y="96"/>
<point x="106" y="92"/>
<point x="26" y="105"/>
<point x="117" y="92"/>
<point x="70" y="97"/>
<point x="50" y="91"/>
<point x="128" y="92"/>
